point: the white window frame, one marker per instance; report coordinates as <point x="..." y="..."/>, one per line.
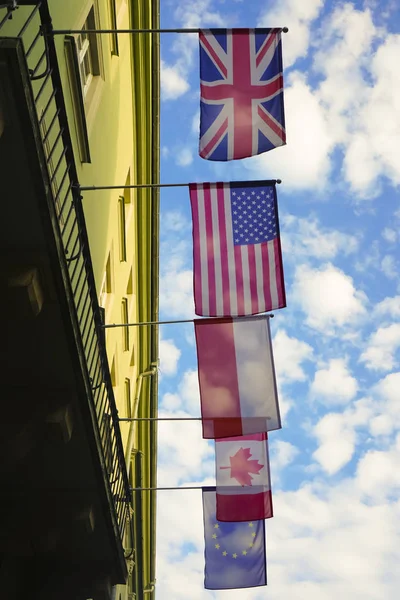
<point x="88" y="51"/>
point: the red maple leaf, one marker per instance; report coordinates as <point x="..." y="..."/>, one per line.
<point x="242" y="466"/>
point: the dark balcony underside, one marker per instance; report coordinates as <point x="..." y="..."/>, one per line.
<point x="56" y="524"/>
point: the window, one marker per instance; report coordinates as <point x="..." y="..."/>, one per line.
<point x="125" y="330"/>
<point x="113" y="4"/>
<point x="124" y="202"/>
<point x="128" y="406"/>
<point x="109" y="277"/>
<point x="113" y="373"/>
<point x="87" y="45"/>
<point x="122" y="229"/>
<point x="129" y="287"/>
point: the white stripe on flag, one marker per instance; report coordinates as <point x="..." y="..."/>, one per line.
<point x="246" y="279"/>
<point x="255" y="372"/>
<point x="217" y="251"/>
<point x="259" y="277"/>
<point x="203" y="252"/>
<point x="230" y="250"/>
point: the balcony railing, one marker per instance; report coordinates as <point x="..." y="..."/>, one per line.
<point x="46" y="87"/>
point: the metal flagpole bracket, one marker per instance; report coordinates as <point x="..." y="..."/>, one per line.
<point x="94" y="188"/>
<point x="183" y="30"/>
<point x="165" y="489"/>
<point x="113" y="325"/>
<point x="130" y="419"/>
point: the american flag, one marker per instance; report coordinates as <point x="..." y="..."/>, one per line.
<point x="236" y="248"/>
<point x="241" y="89"/>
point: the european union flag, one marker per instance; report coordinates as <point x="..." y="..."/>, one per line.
<point x="234" y="552"/>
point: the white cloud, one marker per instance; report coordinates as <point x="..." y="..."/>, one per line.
<point x="386" y="418"/>
<point x="289" y="354"/>
<point x="298" y="17"/>
<point x="337" y="437"/>
<point x="183" y="454"/>
<point x="169" y="357"/>
<point x="184" y="157"/>
<point x="378" y="472"/>
<point x="305" y="161"/>
<point x="334" y="384"/>
<point x="378" y="123"/>
<point x="336" y="442"/>
<point x="187" y="397"/>
<point x="176" y="278"/>
<point x="390" y="235"/>
<point x="173" y="82"/>
<point x="389" y="306"/>
<point x="174" y="221"/>
<point x="389" y="267"/>
<point x="307" y="237"/>
<point x="282" y="454"/>
<point x="328" y="297"/>
<point x="382" y="346"/>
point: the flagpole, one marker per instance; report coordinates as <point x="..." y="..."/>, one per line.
<point x="158" y="489"/>
<point x="91" y="188"/>
<point x="182" y="30"/>
<point x="130" y="419"/>
<point x="113" y="325"/>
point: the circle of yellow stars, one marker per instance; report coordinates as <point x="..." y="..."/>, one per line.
<point x="235" y="554"/>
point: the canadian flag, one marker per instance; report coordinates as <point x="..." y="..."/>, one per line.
<point x="243" y="478"/>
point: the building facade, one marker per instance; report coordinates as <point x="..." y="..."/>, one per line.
<point x="78" y="109"/>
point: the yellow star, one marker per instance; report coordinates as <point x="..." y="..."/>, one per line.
<point x="224" y="553"/>
<point x="216" y="526"/>
<point x="253" y="534"/>
<point x="244" y="552"/>
<point x="251" y="545"/>
<point x="214" y="535"/>
<point x="251" y="525"/>
<point x="234" y="555"/>
<point x="217" y="546"/>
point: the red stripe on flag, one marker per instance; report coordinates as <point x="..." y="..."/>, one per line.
<point x="197" y="275"/>
<point x="266" y="275"/>
<point x="210" y="255"/>
<point x="240" y="507"/>
<point x="224" y="248"/>
<point x="218" y="379"/>
<point x="241" y="93"/>
<point x="250" y="437"/>
<point x="279" y="273"/>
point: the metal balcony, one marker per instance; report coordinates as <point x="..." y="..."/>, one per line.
<point x="64" y="495"/>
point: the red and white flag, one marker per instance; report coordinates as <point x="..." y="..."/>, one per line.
<point x="237" y="258"/>
<point x="243" y="478"/>
<point x="236" y="376"/>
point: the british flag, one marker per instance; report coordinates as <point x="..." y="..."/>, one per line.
<point x="241" y="88"/>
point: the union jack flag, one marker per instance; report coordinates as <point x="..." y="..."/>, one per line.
<point x="241" y="89"/>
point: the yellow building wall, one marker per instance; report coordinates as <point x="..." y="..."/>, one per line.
<point x="122" y="130"/>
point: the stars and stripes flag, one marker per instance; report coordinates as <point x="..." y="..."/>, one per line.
<point x="241" y="93"/>
<point x="238" y="393"/>
<point x="237" y="256"/>
<point x="243" y="478"/>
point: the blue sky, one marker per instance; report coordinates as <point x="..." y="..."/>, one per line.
<point x="335" y="463"/>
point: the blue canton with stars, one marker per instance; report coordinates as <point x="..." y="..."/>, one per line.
<point x="254" y="218"/>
